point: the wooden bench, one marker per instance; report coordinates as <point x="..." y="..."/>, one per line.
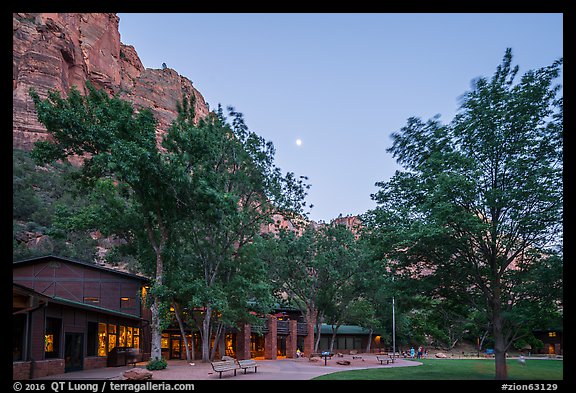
<point x="225" y="365"/>
<point x="383" y="359"/>
<point x="248" y="363"/>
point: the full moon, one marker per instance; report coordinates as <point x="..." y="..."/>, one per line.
<point x="299" y="141"/>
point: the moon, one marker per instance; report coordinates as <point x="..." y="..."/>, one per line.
<point x="299" y="142"/>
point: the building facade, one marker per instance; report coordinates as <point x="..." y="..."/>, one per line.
<point x="68" y="315"/>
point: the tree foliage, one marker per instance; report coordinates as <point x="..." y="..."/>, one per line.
<point x="478" y="209"/>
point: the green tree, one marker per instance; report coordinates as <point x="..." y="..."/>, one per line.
<point x="41" y="201"/>
<point x="241" y="190"/>
<point x="315" y="268"/>
<point x="341" y="258"/>
<point x="117" y="144"/>
<point x="479" y="207"/>
<point x="293" y="269"/>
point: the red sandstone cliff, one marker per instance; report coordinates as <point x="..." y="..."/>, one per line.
<point x="55" y="51"/>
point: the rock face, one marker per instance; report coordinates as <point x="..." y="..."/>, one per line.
<point x="55" y="51"/>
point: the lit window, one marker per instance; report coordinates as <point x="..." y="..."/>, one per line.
<point x="551" y="334"/>
<point x="52" y="338"/>
<point x="122" y="337"/>
<point x="111" y="337"/>
<point x="126" y="302"/>
<point x="129" y="336"/>
<point x="48" y="343"/>
<point x="136" y="332"/>
<point x="93" y="300"/>
<point x="102" y="333"/>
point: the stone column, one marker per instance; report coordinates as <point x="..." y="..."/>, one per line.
<point x="292" y="339"/>
<point x="243" y="342"/>
<point x="309" y="339"/>
<point x="271" y="338"/>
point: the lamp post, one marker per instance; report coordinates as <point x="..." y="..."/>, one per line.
<point x="393" y="329"/>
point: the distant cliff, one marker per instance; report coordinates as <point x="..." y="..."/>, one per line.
<point x="55" y="51"/>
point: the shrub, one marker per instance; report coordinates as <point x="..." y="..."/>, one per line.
<point x="157" y="364"/>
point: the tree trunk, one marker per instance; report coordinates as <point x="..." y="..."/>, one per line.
<point x="216" y="342"/>
<point x="206" y="334"/>
<point x="318" y="328"/>
<point x="368" y="347"/>
<point x="177" y="312"/>
<point x="334" y="331"/>
<point x="498" y="332"/>
<point x="156" y="350"/>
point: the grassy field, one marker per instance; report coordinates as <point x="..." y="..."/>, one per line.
<point x="457" y="369"/>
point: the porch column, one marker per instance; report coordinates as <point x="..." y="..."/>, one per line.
<point x="292" y="339"/>
<point x="243" y="342"/>
<point x="309" y="339"/>
<point x="271" y="338"/>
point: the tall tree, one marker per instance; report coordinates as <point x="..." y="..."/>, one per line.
<point x="294" y="270"/>
<point x="479" y="207"/>
<point x="235" y="169"/>
<point x="341" y="257"/>
<point x="116" y="143"/>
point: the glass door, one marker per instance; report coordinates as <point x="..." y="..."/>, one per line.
<point x="73" y="352"/>
<point x="175" y="346"/>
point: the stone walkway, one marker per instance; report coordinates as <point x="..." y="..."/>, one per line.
<point x="280" y="369"/>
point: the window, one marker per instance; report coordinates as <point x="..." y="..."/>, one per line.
<point x="551" y="334"/>
<point x="122" y="337"/>
<point x="111" y="337"/>
<point x="91" y="300"/>
<point x="102" y="335"/>
<point x="18" y="328"/>
<point x="52" y="338"/>
<point x="126" y="302"/>
<point x="92" y="339"/>
<point x="129" y="336"/>
<point x="136" y="333"/>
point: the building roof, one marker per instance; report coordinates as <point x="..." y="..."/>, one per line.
<point x="90" y="307"/>
<point x="22" y="289"/>
<point x="81" y="263"/>
<point x="345" y="329"/>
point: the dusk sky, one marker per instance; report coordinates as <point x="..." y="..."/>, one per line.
<point x="340" y="83"/>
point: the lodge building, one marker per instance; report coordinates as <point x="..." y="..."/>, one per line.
<point x="67" y="315"/>
<point x="70" y="315"/>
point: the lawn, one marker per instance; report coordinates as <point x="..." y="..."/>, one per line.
<point x="457" y="369"/>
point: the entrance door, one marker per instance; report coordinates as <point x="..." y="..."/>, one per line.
<point x="281" y="346"/>
<point x="73" y="352"/>
<point x="175" y="346"/>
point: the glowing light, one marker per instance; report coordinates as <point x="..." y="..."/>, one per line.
<point x="299" y="142"/>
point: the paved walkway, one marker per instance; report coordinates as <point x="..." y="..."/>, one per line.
<point x="280" y="369"/>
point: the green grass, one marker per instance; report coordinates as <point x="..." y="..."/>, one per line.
<point x="456" y="369"/>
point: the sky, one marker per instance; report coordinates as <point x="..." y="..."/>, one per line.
<point x="341" y="83"/>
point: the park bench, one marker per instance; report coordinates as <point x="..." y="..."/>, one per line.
<point x="248" y="363"/>
<point x="225" y="365"/>
<point x="383" y="359"/>
<point x="320" y="355"/>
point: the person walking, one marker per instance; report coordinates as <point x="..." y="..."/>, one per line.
<point x="419" y="356"/>
<point x="412" y="352"/>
